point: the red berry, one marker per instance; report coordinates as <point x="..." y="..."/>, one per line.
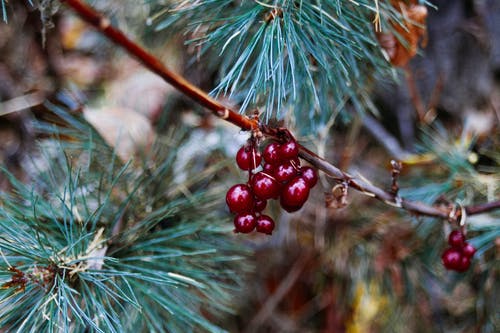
<point x="239" y="198"/>
<point x="468" y="250"/>
<point x="310" y="176"/>
<point x="260" y="205"/>
<point x="268" y="168"/>
<point x="248" y="158"/>
<point x="288" y="208"/>
<point x="264" y="186"/>
<point x="295" y="193"/>
<point x="245" y="222"/>
<point x="451" y="258"/>
<point x="289" y="150"/>
<point x="265" y="224"/>
<point x="285" y="172"/>
<point x="464" y="264"/>
<point x="271" y="153"/>
<point x="456" y="239"/>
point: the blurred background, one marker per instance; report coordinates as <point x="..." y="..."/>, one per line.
<point x="365" y="267"/>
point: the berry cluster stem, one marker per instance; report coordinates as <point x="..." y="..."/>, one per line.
<point x="103" y="24"/>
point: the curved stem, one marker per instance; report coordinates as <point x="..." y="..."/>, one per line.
<point x="179" y="82"/>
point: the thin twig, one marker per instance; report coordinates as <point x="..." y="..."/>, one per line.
<point x="151" y="62"/>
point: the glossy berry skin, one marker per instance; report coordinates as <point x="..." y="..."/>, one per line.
<point x="464" y="264"/>
<point x="456" y="239"/>
<point x="452" y="259"/>
<point x="260" y="205"/>
<point x="285" y="172"/>
<point x="248" y="158"/>
<point x="269" y="168"/>
<point x="294" y="194"/>
<point x="239" y="198"/>
<point x="265" y="224"/>
<point x="245" y="222"/>
<point x="310" y="176"/>
<point x="468" y="250"/>
<point x="264" y="186"/>
<point x="289" y="150"/>
<point x="271" y="153"/>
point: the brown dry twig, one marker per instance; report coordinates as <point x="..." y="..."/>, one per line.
<point x="246" y="123"/>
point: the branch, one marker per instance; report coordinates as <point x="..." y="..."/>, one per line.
<point x="245" y="123"/>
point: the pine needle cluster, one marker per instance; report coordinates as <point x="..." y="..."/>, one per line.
<point x="94" y="244"/>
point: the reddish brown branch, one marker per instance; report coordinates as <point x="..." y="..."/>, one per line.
<point x="148" y="60"/>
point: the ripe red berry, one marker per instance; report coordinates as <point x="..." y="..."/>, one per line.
<point x="271" y="153"/>
<point x="289" y="150"/>
<point x="310" y="176"/>
<point x="268" y="168"/>
<point x="464" y="264"/>
<point x="265" y="224"/>
<point x="264" y="186"/>
<point x="245" y="222"/>
<point x="295" y="193"/>
<point x="284" y="172"/>
<point x="248" y="158"/>
<point x="451" y="258"/>
<point x="288" y="208"/>
<point x="456" y="239"/>
<point x="260" y="205"/>
<point x="468" y="250"/>
<point x="239" y="198"/>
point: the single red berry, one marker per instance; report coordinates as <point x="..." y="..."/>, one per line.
<point x="310" y="175"/>
<point x="468" y="250"/>
<point x="248" y="158"/>
<point x="268" y="168"/>
<point x="239" y="198"/>
<point x="245" y="222"/>
<point x="464" y="264"/>
<point x="264" y="186"/>
<point x="451" y="258"/>
<point x="285" y="172"/>
<point x="456" y="239"/>
<point x="265" y="224"/>
<point x="289" y="150"/>
<point x="271" y="153"/>
<point x="260" y="205"/>
<point x="295" y="193"/>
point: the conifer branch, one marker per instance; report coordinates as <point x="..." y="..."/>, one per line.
<point x="245" y="123"/>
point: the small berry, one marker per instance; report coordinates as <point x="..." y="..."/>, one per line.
<point x="260" y="205"/>
<point x="271" y="153"/>
<point x="244" y="222"/>
<point x="295" y="193"/>
<point x="268" y="168"/>
<point x="239" y="198"/>
<point x="468" y="250"/>
<point x="264" y="186"/>
<point x="451" y="259"/>
<point x="265" y="224"/>
<point x="285" y="172"/>
<point x="464" y="264"/>
<point x="289" y="150"/>
<point x="248" y="158"/>
<point x="456" y="239"/>
<point x="310" y="176"/>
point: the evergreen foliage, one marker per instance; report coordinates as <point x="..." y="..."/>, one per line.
<point x="306" y="57"/>
<point x="95" y="244"/>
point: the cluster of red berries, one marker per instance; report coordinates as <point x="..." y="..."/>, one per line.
<point x="280" y="176"/>
<point x="458" y="256"/>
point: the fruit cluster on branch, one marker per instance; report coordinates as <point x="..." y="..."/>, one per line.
<point x="275" y="173"/>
